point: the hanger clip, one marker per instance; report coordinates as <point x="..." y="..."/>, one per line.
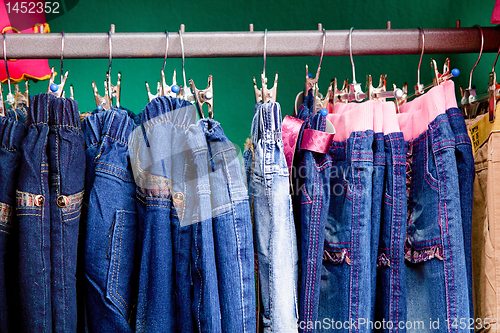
<point x="203" y="96"/>
<point x="269" y="95"/>
<point x="438" y="77"/>
<point x="102" y="102"/>
<point x="22" y="99"/>
<point x="166" y="90"/>
<point x="114" y="90"/>
<point x="54" y="88"/>
<point x="494" y="95"/>
<point x="403" y="98"/>
<point x="158" y="91"/>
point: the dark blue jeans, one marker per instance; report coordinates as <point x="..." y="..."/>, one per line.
<point x="67" y="174"/>
<point x="466" y="174"/>
<point x="436" y="273"/>
<point x="176" y="240"/>
<point x="232" y="227"/>
<point x="335" y="230"/>
<point x="391" y="279"/>
<point x="33" y="214"/>
<point x="110" y="224"/>
<point x="11" y="136"/>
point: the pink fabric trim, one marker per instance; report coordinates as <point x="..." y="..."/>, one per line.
<point x="289" y="133"/>
<point x="316" y="141"/>
<point x="495" y="16"/>
<point x="449" y="94"/>
<point x="358" y="118"/>
<point x="417" y="114"/>
<point x="390" y="124"/>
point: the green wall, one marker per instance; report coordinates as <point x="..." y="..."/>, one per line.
<point x="232" y="77"/>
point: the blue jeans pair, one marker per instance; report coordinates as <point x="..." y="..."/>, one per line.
<point x="466" y="174"/>
<point x="11" y="136"/>
<point x="391" y="279"/>
<point x="110" y="223"/>
<point x="334" y="224"/>
<point x="436" y="270"/>
<point x="177" y="276"/>
<point x="275" y="239"/>
<point x="49" y="197"/>
<point x="232" y="227"/>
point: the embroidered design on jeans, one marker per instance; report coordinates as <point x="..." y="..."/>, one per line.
<point x="383" y="260"/>
<point x="417" y="256"/>
<point x="409" y="171"/>
<point x="6" y="213"/>
<point x="338" y="256"/>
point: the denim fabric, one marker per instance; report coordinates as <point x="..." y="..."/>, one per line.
<point x="275" y="238"/>
<point x="110" y="225"/>
<point x="378" y="181"/>
<point x="391" y="278"/>
<point x="466" y="174"/>
<point x="233" y="237"/>
<point x="33" y="214"/>
<point x="335" y="230"/>
<point x="175" y="235"/>
<point x="67" y="173"/>
<point x="19" y="114"/>
<point x="436" y="274"/>
<point x="11" y="136"/>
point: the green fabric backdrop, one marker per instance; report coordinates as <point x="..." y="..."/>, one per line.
<point x="232" y="77"/>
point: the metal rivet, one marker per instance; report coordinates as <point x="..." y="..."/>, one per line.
<point x="62" y="201"/>
<point x="39" y="200"/>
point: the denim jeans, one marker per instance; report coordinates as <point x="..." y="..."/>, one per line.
<point x="178" y="277"/>
<point x="391" y="280"/>
<point x="67" y="176"/>
<point x="466" y="174"/>
<point x="11" y="136"/>
<point x="33" y="215"/>
<point x="335" y="229"/>
<point x="275" y="238"/>
<point x="378" y="181"/>
<point x="232" y="228"/>
<point x="110" y="224"/>
<point x="436" y="274"/>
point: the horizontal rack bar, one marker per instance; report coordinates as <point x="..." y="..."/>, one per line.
<point x="251" y="43"/>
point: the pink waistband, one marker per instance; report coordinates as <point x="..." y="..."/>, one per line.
<point x="380" y="117"/>
<point x="417" y="114"/>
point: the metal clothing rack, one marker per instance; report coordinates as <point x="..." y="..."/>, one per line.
<point x="250" y="43"/>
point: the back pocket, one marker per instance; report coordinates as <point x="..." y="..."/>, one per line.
<point x="122" y="251"/>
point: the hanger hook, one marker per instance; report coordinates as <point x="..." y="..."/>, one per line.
<point x="350" y="53"/>
<point x="265" y="51"/>
<point x="182" y="52"/>
<point x="496" y="58"/>
<point x="478" y="58"/>
<point x="166" y="51"/>
<point x="110" y="46"/>
<point x="422" y="34"/>
<point x="6" y="66"/>
<point x="62" y="54"/>
<point x="322" y="51"/>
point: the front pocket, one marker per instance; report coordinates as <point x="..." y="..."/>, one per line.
<point x="6" y="214"/>
<point x="121" y="251"/>
<point x="71" y="206"/>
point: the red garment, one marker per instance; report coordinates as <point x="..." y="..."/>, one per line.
<point x="495" y="17"/>
<point x="23" y="69"/>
